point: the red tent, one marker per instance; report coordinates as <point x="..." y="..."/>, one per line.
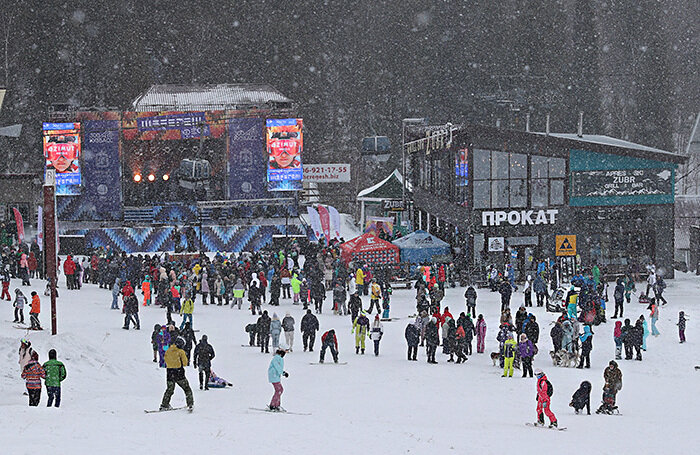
<point x="371" y="249"/>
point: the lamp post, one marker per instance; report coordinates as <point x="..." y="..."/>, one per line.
<point x="404" y="122"/>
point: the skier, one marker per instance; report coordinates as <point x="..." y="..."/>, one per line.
<point x="329" y="340"/>
<point x="582" y="398"/>
<point x="33" y="373"/>
<point x="264" y="332"/>
<point x="288" y="327"/>
<point x="20" y="301"/>
<point x="175" y="361"/>
<point x="274" y="374"/>
<point x="55" y="374"/>
<point x="544" y="398"/>
<point x="203" y="355"/>
<point x="432" y="339"/>
<point x="470" y="296"/>
<point x="376" y="333"/>
<point x="613" y="384"/>
<point x="509" y="348"/>
<point x="586" y="346"/>
<point x="480" y="334"/>
<point x="360" y="328"/>
<point x="412" y="334"/>
<point x="34" y="312"/>
<point x="275" y="331"/>
<point x="681" y="326"/>
<point x="309" y="326"/>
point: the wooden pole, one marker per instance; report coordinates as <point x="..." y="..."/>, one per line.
<point x="50" y="245"/>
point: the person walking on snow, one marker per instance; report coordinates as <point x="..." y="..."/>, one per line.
<point x="274" y="374"/>
<point x="288" y="327"/>
<point x="55" y="374"/>
<point x="654" y="314"/>
<point x="509" y="348"/>
<point x="470" y="297"/>
<point x="586" y="347"/>
<point x="544" y="398"/>
<point x="412" y="335"/>
<point x="376" y="333"/>
<point x="186" y="311"/>
<point x="480" y="334"/>
<point x="116" y="290"/>
<point x="33" y="373"/>
<point x="203" y="355"/>
<point x="146" y="290"/>
<point x="20" y="301"/>
<point x="309" y="327"/>
<point x="360" y="328"/>
<point x="175" y="361"/>
<point x="681" y="326"/>
<point x="6" y="283"/>
<point x="238" y="293"/>
<point x="275" y="331"/>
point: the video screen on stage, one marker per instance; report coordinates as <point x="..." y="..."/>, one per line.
<point x="285" y="144"/>
<point x="62" y="153"/>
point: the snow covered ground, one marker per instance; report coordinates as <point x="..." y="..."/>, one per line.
<point x="371" y="405"/>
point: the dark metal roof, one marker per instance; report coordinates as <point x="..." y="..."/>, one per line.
<point x="204" y="97"/>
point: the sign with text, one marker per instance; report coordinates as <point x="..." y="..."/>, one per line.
<point x="285" y="143"/>
<point x="393" y="205"/>
<point x="622" y="182"/>
<point x="565" y="245"/>
<point x="519" y="217"/>
<point x="191" y="124"/>
<point x="327" y="173"/>
<point x="62" y="155"/>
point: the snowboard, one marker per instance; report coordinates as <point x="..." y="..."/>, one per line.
<point x="147" y="411"/>
<point x="546" y="427"/>
<point x="328" y="363"/>
<point x="281" y="411"/>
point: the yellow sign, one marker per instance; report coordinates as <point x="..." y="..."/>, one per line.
<point x="566" y="245"/>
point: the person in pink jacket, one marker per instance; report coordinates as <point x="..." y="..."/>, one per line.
<point x="544" y="399"/>
<point x="480" y="334"/>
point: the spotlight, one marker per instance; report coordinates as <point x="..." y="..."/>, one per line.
<point x="137" y="178"/>
<point x="166" y="177"/>
<point x="151" y="177"/>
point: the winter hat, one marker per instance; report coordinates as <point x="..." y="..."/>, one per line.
<point x="538" y="372"/>
<point x="523" y="338"/>
<point x="274" y="316"/>
<point x="287" y="314"/>
<point x="612" y="363"/>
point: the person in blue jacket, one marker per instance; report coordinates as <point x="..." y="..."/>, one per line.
<point x="586" y="346"/>
<point x="274" y="374"/>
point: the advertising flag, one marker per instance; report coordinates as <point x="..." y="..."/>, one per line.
<point x="335" y="221"/>
<point x="20" y="225"/>
<point x="315" y="221"/>
<point x="325" y="222"/>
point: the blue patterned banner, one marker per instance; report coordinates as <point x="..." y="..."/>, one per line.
<point x="247" y="162"/>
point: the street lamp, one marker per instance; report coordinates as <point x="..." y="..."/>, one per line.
<point x="404" y="122"/>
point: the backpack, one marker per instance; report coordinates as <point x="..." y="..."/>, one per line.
<point x="550" y="388"/>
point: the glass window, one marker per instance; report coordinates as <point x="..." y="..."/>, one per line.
<point x="499" y="165"/>
<point x="482" y="194"/>
<point x="539" y="167"/>
<point x="482" y="164"/>
<point x="499" y="193"/>
<point x="518" y="166"/>
<point x="518" y="193"/>
<point x="556" y="192"/>
<point x="557" y="167"/>
<point x="539" y="192"/>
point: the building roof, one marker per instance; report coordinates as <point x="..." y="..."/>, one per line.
<point x="389" y="188"/>
<point x="202" y="97"/>
<point x="607" y="140"/>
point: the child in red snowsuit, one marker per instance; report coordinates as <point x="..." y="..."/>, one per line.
<point x="543" y="400"/>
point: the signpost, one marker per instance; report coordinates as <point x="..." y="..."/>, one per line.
<point x="50" y="252"/>
<point x="393" y="205"/>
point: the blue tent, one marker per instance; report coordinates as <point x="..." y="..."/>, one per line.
<point x="420" y="246"/>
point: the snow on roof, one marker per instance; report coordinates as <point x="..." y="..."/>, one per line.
<point x="609" y="141"/>
<point x="207" y="97"/>
<point x="394" y="175"/>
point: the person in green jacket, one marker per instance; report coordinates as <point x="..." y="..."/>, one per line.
<point x="186" y="311"/>
<point x="55" y="373"/>
<point x="595" y="271"/>
<point x="296" y="288"/>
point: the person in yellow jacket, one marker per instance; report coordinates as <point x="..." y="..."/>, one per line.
<point x="186" y="311"/>
<point x="175" y="362"/>
<point x="360" y="327"/>
<point x="509" y="348"/>
<point x="375" y="295"/>
<point x="360" y="281"/>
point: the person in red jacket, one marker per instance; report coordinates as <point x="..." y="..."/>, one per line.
<point x="442" y="276"/>
<point x="544" y="400"/>
<point x="33" y="264"/>
<point x="329" y="340"/>
<point x="446" y="314"/>
<point x="34" y="312"/>
<point x="127" y="290"/>
<point x="69" y="270"/>
<point x="33" y="373"/>
<point x="263" y="285"/>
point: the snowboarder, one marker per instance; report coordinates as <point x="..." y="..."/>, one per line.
<point x="613" y="384"/>
<point x="274" y="374"/>
<point x="544" y="398"/>
<point x="329" y="340"/>
<point x="55" y="374"/>
<point x="360" y="328"/>
<point x="681" y="326"/>
<point x="20" y="301"/>
<point x="412" y="335"/>
<point x="288" y="327"/>
<point x="480" y="334"/>
<point x="376" y="333"/>
<point x="175" y="361"/>
<point x="33" y="373"/>
<point x="203" y="355"/>
<point x="582" y="398"/>
<point x="309" y="326"/>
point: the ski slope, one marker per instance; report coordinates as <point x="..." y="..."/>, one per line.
<point x="371" y="405"/>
